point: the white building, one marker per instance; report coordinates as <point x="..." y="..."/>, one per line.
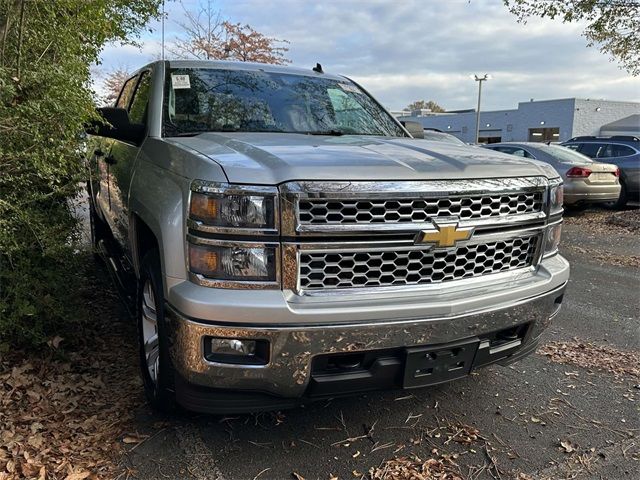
<point x="534" y="121"/>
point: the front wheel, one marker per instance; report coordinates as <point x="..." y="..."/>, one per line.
<point x="155" y="362"/>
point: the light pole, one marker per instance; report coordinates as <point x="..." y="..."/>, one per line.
<point x="479" y="80"/>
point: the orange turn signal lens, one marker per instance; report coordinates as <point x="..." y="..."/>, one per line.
<point x="204" y="207"/>
<point x="203" y="260"/>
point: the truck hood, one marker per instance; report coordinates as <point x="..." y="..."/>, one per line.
<point x="273" y="158"/>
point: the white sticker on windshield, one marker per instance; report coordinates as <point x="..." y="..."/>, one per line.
<point x="347" y="87"/>
<point x="180" y="81"/>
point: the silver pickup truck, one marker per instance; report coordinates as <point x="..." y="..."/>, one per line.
<point x="283" y="238"/>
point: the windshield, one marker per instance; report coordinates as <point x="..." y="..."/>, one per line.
<point x="565" y="155"/>
<point x="213" y="100"/>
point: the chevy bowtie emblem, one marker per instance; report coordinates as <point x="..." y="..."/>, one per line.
<point x="444" y="235"/>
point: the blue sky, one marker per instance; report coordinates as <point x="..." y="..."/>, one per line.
<point x="408" y="50"/>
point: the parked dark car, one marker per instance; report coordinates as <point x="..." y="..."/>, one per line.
<point x="620" y="150"/>
<point x="585" y="181"/>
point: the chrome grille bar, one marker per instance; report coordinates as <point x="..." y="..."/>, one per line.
<point x="323" y="208"/>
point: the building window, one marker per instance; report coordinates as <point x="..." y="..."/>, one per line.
<point x="464" y="129"/>
<point x="544" y="134"/>
<point x="509" y="127"/>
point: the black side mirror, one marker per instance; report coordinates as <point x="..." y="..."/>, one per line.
<point x="120" y="126"/>
<point x="414" y="128"/>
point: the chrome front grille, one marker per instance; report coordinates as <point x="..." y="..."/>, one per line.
<point x="412" y="266"/>
<point x="416" y="210"/>
<point x="362" y="236"/>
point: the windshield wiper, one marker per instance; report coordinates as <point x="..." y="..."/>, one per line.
<point x="332" y="133"/>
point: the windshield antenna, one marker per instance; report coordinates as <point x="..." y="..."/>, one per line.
<point x="317" y="68"/>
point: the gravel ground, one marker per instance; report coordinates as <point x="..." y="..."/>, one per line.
<point x="569" y="411"/>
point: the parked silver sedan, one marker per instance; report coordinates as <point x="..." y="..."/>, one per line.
<point x="585" y="181"/>
<point x="438" y="136"/>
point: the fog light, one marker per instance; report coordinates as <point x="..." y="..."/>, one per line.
<point x="233" y="346"/>
<point x="237" y="351"/>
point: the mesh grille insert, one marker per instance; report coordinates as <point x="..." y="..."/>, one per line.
<point x="412" y="210"/>
<point x="336" y="270"/>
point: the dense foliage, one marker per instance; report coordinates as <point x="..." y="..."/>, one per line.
<point x="614" y="25"/>
<point x="46" y="49"/>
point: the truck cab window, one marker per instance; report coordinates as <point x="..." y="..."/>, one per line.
<point x="125" y="93"/>
<point x="138" y="108"/>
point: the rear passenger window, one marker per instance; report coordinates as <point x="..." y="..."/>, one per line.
<point x="605" y="151"/>
<point x="590" y="149"/>
<point x="503" y="149"/>
<point x="621" y="151"/>
<point x="519" y="152"/>
<point x="125" y="93"/>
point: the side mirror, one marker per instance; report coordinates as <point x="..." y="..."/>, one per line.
<point x="414" y="128"/>
<point x="120" y="126"/>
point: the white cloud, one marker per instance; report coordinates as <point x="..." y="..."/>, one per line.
<point x="407" y="50"/>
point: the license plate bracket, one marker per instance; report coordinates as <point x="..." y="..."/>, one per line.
<point x="438" y="364"/>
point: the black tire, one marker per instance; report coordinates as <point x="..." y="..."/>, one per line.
<point x="160" y="391"/>
<point x="622" y="199"/>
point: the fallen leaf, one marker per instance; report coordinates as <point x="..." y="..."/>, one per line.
<point x="567" y="446"/>
<point x="133" y="439"/>
<point x="297" y="476"/>
<point x="77" y="476"/>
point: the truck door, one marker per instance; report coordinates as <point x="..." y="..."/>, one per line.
<point x="122" y="161"/>
<point x="104" y="161"/>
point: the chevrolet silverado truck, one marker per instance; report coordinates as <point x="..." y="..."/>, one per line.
<point x="283" y="238"/>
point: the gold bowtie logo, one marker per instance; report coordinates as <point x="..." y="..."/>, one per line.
<point x="445" y="235"/>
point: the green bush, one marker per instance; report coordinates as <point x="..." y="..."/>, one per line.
<point x="46" y="51"/>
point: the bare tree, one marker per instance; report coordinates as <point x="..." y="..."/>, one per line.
<point x="203" y="34"/>
<point x="112" y="83"/>
<point x="208" y="36"/>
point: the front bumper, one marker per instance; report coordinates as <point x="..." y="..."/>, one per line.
<point x="294" y="346"/>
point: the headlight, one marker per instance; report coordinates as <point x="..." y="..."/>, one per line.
<point x="552" y="239"/>
<point x="225" y="208"/>
<point x="233" y="261"/>
<point x="556" y="198"/>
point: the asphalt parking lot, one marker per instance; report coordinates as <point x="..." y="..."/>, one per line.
<point x="569" y="411"/>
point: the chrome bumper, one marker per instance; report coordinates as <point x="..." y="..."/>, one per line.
<point x="293" y="346"/>
<point x="596" y="197"/>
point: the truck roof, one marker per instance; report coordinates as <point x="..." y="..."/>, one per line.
<point x="251" y="66"/>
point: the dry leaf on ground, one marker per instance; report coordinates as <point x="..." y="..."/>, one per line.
<point x="592" y="356"/>
<point x="63" y="418"/>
